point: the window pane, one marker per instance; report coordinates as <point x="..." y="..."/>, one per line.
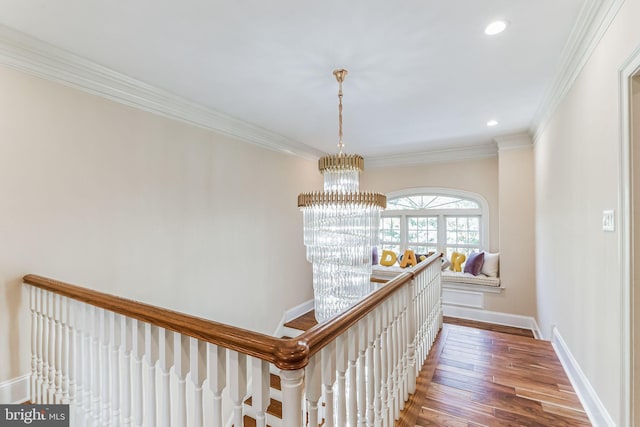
<point x="390" y="230"/>
<point x="394" y="248"/>
<point x="431" y="202"/>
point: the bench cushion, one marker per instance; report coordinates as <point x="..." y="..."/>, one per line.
<point x="469" y="279"/>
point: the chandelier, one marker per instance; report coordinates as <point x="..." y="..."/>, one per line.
<point x="341" y="227"/>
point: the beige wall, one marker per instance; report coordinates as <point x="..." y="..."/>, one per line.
<point x="103" y="195"/>
<point x="577" y="170"/>
<point x="517" y="235"/>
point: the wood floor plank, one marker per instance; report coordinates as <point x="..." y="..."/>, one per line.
<point x="483" y="377"/>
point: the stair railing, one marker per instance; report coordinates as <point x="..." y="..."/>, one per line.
<point x="123" y="362"/>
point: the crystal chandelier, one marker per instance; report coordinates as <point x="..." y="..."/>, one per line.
<point x="341" y="227"/>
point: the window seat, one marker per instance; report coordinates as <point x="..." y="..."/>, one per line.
<point x="469" y="282"/>
<point x="455" y="277"/>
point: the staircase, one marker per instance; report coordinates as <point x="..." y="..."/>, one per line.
<point x="274" y="411"/>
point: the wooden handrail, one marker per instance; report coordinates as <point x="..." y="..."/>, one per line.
<point x="285" y="353"/>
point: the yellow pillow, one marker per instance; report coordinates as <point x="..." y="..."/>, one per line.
<point x="409" y="258"/>
<point x="457" y="260"/>
<point x="388" y="258"/>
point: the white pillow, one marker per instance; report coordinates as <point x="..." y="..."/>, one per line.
<point x="491" y="264"/>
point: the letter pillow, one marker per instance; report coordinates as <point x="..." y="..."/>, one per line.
<point x="457" y="260"/>
<point x="388" y="258"/>
<point x="409" y="257"/>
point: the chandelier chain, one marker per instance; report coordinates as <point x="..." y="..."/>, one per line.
<point x="340" y="75"/>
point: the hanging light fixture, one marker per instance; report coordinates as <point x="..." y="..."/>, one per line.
<point x="341" y="227"/>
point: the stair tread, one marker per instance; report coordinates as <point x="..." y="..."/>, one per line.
<point x="274" y="381"/>
<point x="250" y="422"/>
<point x="274" y="408"/>
<point x="304" y="322"/>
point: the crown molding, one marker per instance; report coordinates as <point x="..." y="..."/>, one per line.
<point x="593" y="22"/>
<point x="33" y="56"/>
<point x="448" y="155"/>
<point x="520" y="141"/>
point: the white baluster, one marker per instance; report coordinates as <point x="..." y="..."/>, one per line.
<point x="72" y="318"/>
<point x="377" y="362"/>
<point x="328" y="355"/>
<point x="371" y="390"/>
<point x="341" y="369"/>
<point x="166" y="356"/>
<point x="390" y="362"/>
<point x="127" y="330"/>
<point x="411" y="334"/>
<point x="397" y="357"/>
<point x="198" y="374"/>
<point x="45" y="347"/>
<point x="81" y="360"/>
<point x="313" y="386"/>
<point x="90" y="368"/>
<point x="138" y="353"/>
<point x="105" y="367"/>
<point x="292" y="384"/>
<point x="57" y="314"/>
<point x="34" y="344"/>
<point x="352" y="396"/>
<point x="237" y="384"/>
<point x="151" y="357"/>
<point x="217" y="374"/>
<point x="181" y="356"/>
<point x="404" y="347"/>
<point x="65" y="352"/>
<point x="260" y="396"/>
<point x="94" y="365"/>
<point x="40" y="348"/>
<point x="51" y="312"/>
<point x="361" y="388"/>
<point x="115" y="343"/>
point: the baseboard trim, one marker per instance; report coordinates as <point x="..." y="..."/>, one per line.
<point x="592" y="404"/>
<point x="297" y="311"/>
<point x="506" y="319"/>
<point x="15" y="391"/>
<point x="291" y="314"/>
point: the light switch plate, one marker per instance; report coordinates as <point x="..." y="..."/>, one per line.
<point x="608" y="222"/>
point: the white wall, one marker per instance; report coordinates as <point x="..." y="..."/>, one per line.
<point x="102" y="195"/>
<point x="577" y="169"/>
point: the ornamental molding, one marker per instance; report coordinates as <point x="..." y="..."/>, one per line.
<point x="28" y="54"/>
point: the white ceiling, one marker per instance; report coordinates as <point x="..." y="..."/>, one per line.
<point x="422" y="74"/>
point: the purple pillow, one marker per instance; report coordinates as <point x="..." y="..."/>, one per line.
<point x="374" y="256"/>
<point x="474" y="263"/>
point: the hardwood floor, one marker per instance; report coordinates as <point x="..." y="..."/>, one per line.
<point x="476" y="377"/>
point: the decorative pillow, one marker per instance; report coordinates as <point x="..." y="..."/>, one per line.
<point x="388" y="258"/>
<point x="474" y="263"/>
<point x="408" y="258"/>
<point x="375" y="259"/>
<point x="445" y="263"/>
<point x="457" y="260"/>
<point x="491" y="264"/>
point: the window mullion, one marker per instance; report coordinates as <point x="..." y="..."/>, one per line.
<point x="404" y="233"/>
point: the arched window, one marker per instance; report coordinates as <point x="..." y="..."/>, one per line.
<point x="435" y="219"/>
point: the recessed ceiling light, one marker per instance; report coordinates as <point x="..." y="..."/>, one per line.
<point x="496" y="27"/>
<point x="491" y="123"/>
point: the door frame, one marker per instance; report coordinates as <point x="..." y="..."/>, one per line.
<point x="627" y="71"/>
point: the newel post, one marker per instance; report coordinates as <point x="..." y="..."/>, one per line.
<point x="292" y="390"/>
<point x="292" y="356"/>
